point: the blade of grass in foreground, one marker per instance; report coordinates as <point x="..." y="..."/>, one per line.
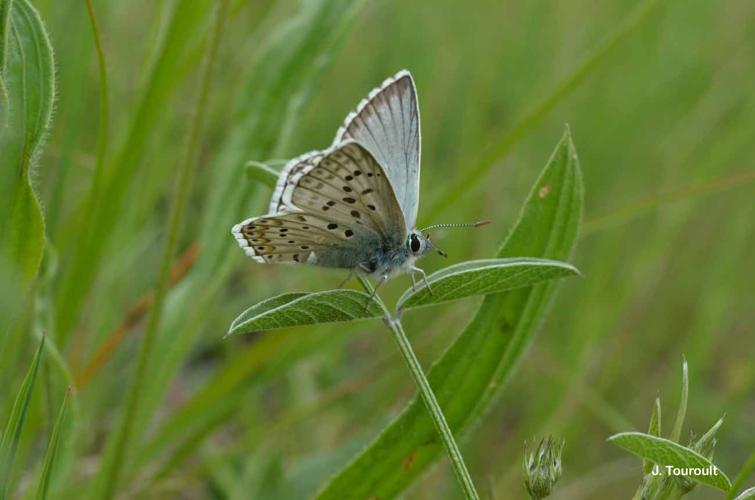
<point x="479" y="362"/>
<point x="12" y="434"/>
<point x="52" y="449"/>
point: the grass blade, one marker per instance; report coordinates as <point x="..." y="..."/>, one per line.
<point x="113" y="465"/>
<point x="12" y="434"/>
<point x="52" y="449"/>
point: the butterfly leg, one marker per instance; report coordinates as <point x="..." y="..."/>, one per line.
<point x="424" y="278"/>
<point x="380" y="281"/>
<point x="348" y="277"/>
<point x="414" y="282"/>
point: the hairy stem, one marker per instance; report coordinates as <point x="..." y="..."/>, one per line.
<point x="457" y="460"/>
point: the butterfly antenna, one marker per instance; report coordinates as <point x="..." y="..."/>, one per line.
<point x="473" y="224"/>
<point x="436" y="226"/>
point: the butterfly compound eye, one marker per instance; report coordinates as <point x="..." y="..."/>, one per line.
<point x="415" y="244"/>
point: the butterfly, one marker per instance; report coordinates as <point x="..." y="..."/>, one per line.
<point x="354" y="205"/>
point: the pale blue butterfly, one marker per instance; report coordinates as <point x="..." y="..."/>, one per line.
<point x="353" y="205"/>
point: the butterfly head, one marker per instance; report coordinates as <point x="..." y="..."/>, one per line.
<point x="418" y="244"/>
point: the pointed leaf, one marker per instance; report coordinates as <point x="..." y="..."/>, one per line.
<point x="298" y="309"/>
<point x="654" y="429"/>
<point x="483" y="277"/>
<point x="52" y="449"/>
<point x="668" y="453"/>
<point x="707" y="442"/>
<point x="12" y="434"/>
<point x="676" y="432"/>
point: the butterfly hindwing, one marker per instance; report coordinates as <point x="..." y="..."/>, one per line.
<point x="387" y="123"/>
<point x="300" y="237"/>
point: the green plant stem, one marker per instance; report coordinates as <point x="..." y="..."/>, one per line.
<point x="431" y="403"/>
<point x="183" y="183"/>
<point x="744" y="472"/>
<point x="103" y="132"/>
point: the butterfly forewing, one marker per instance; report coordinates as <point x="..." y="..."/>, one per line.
<point x="345" y="184"/>
<point x="387" y="123"/>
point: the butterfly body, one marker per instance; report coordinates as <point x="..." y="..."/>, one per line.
<point x="395" y="258"/>
<point x="353" y="205"/>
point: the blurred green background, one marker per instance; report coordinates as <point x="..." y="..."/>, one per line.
<point x="659" y="98"/>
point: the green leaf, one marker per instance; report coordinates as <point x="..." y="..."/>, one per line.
<point x="298" y="309"/>
<point x="483" y="277"/>
<point x="27" y="71"/>
<point x="746" y="494"/>
<point x="12" y="434"/>
<point x="52" y="449"/>
<point x="668" y="453"/>
<point x="477" y="365"/>
<point x="654" y="429"/>
<point x="676" y="432"/>
<point x="477" y="277"/>
<point x="707" y="442"/>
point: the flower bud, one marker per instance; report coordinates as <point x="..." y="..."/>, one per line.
<point x="542" y="468"/>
